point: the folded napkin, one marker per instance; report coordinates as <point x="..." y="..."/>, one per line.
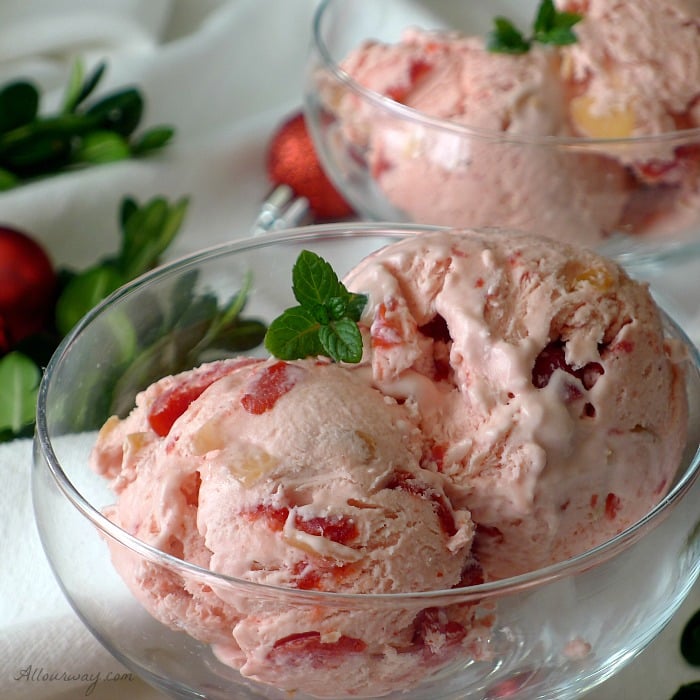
<point x="224" y="73"/>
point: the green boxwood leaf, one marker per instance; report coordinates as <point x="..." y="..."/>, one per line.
<point x="152" y="140"/>
<point x="19" y="378"/>
<point x="19" y="105"/>
<point x="80" y="88"/>
<point x="119" y="111"/>
<point x="83" y="292"/>
<point x="101" y="147"/>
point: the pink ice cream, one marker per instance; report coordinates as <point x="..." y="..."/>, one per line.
<point x="445" y="176"/>
<point x="516" y="404"/>
<point x="543" y="379"/>
<point x="635" y="72"/>
<point x="299" y="475"/>
<point x="452" y="133"/>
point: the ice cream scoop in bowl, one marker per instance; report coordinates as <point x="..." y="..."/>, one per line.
<point x="417" y="524"/>
<point x="430" y="112"/>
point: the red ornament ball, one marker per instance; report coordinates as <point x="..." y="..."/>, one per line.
<point x="27" y="287"/>
<point x="292" y="160"/>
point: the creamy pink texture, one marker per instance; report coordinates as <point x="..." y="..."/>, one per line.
<point x="444" y="176"/>
<point x="299" y="475"/>
<point x="543" y="378"/>
<point x="516" y="405"/>
<point x="635" y="72"/>
<point x="636" y="65"/>
<point x="467" y="136"/>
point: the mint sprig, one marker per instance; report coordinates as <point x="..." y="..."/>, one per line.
<point x="324" y="322"/>
<point x="550" y="27"/>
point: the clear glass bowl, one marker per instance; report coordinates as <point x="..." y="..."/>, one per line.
<point x="395" y="163"/>
<point x="552" y="633"/>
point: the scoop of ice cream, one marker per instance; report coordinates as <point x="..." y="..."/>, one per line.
<point x="635" y="72"/>
<point x="541" y="372"/>
<point x="452" y="76"/>
<point x="635" y="68"/>
<point x="299" y="475"/>
<point x="498" y="175"/>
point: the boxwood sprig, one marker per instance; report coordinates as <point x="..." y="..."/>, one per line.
<point x="325" y="321"/>
<point x="81" y="133"/>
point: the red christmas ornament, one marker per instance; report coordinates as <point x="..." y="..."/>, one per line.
<point x="292" y="160"/>
<point x="27" y="287"/>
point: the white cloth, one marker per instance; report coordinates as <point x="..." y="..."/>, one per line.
<point x="224" y="72"/>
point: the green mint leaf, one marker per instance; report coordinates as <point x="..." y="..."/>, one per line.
<point x="342" y="340"/>
<point x="294" y="335"/>
<point x="558" y="37"/>
<point x="313" y="280"/>
<point x="19" y="385"/>
<point x="546" y="17"/>
<point x="320" y="314"/>
<point x="336" y="308"/>
<point x="325" y="322"/>
<point x="506" y="38"/>
<point x="549" y="27"/>
<point x="355" y="305"/>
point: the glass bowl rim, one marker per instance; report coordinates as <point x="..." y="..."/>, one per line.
<point x="466" y="131"/>
<point x="324" y="232"/>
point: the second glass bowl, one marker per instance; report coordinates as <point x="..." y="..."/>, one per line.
<point x="395" y="163"/>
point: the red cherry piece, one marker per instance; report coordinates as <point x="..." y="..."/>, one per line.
<point x="552" y="358"/>
<point x="27" y="286"/>
<point x="336" y="528"/>
<point x="268" y="387"/>
<point x="436" y="329"/>
<point x="386" y="329"/>
<point x="309" y="646"/>
<point x="613" y="504"/>
<point x="490" y="531"/>
<point x="417" y="70"/>
<point x="171" y="404"/>
<point x="472" y="575"/>
<point x="275" y="518"/>
<point x="405" y="481"/>
<point x="433" y="622"/>
<point x="292" y="160"/>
